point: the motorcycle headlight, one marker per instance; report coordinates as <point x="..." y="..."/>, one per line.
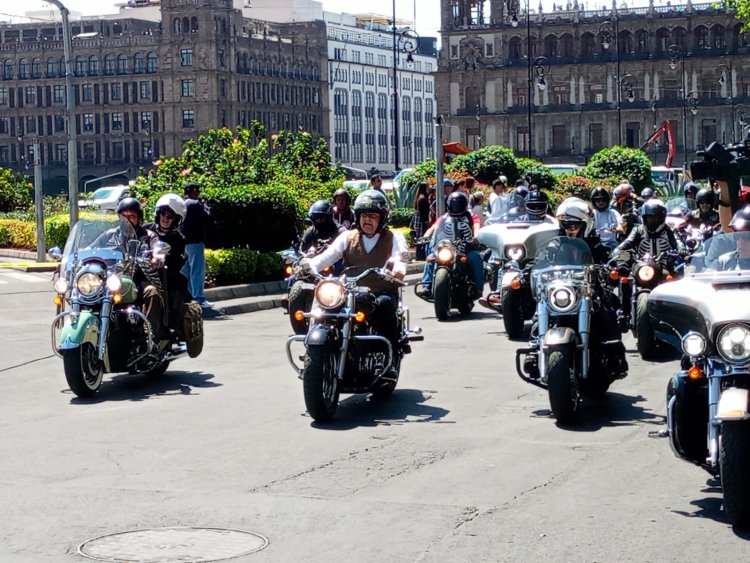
<point x="514" y="252"/>
<point x="646" y="273"/>
<point x="562" y="299"/>
<point x="61" y="285"/>
<point x="114" y="283"/>
<point x="445" y="255"/>
<point x="734" y="343"/>
<point x="329" y="294"/>
<point x="693" y="344"/>
<point x="88" y="283"/>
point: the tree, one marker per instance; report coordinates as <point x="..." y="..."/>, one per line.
<point x="619" y="163"/>
<point x="15" y="191"/>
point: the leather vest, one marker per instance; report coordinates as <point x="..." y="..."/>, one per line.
<point x="356" y="255"/>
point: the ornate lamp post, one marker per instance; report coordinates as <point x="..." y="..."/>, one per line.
<point x="609" y="32"/>
<point x="538" y="70"/>
<point x="677" y="54"/>
<point x="408" y="42"/>
<point x="625" y="85"/>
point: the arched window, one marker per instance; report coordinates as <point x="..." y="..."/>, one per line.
<point x="514" y="49"/>
<point x="550" y="46"/>
<point x="193" y="24"/>
<point x="81" y="64"/>
<point x="51" y="68"/>
<point x="718" y="37"/>
<point x="93" y="66"/>
<point x="23" y="68"/>
<point x="177" y="27"/>
<point x="626" y="42"/>
<point x="641" y="41"/>
<point x="185" y="25"/>
<point x="587" y="44"/>
<point x="471" y="97"/>
<point x="8" y="70"/>
<point x="566" y="43"/>
<point x="138" y="63"/>
<point x="152" y="64"/>
<point x="662" y="40"/>
<point x="122" y="63"/>
<point x="109" y="64"/>
<point x="62" y="68"/>
<point x="700" y="36"/>
<point x="678" y="37"/>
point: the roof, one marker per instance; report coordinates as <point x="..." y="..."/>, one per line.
<point x="454" y="147"/>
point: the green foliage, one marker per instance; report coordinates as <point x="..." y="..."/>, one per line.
<point x="422" y="172"/>
<point x="407" y="232"/>
<point x="15" y="192"/>
<point x="487" y="164"/>
<point x="536" y="173"/>
<point x="17" y="234"/>
<point x="230" y="266"/>
<point x="617" y="163"/>
<point x="56" y="230"/>
<point x="401" y="217"/>
<point x="51" y="205"/>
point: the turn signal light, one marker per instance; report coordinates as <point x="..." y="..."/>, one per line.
<point x="695" y="372"/>
<point x="288" y="271"/>
<point x="58" y="299"/>
<point x="359" y="316"/>
<point x="299" y="315"/>
<point x="117" y="297"/>
<point x="515" y="283"/>
<point x="669" y="277"/>
<point x="613" y="275"/>
<point x="430" y="258"/>
<point x="624" y="279"/>
<point x="463" y="259"/>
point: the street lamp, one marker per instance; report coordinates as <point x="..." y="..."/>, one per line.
<point x="408" y="42"/>
<point x="70" y="114"/>
<point x="609" y="32"/>
<point x="628" y="84"/>
<point x="725" y="73"/>
<point x="676" y="53"/>
<point x="538" y="69"/>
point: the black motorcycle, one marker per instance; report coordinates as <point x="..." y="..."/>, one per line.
<point x="344" y="353"/>
<point x="706" y="317"/>
<point x="452" y="286"/>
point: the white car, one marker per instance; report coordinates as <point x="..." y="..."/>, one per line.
<point x="106" y="198"/>
<point x="558" y="169"/>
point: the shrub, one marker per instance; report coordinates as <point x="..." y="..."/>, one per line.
<point x="487" y="164"/>
<point x="230" y="266"/>
<point x="616" y="163"/>
<point x="15" y="191"/>
<point x="18" y="234"/>
<point x="536" y="173"/>
<point x="401" y="217"/>
<point x="408" y="234"/>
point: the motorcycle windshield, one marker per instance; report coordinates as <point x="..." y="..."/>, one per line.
<point x="563" y="252"/>
<point x="675" y="204"/>
<point x="95" y="233"/>
<point x="723" y="252"/>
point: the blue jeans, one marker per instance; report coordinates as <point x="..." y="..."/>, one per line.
<point x="195" y="269"/>
<point x="476" y="270"/>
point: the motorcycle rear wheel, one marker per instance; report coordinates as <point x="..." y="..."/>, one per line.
<point x="563" y="395"/>
<point x="441" y="293"/>
<point x="320" y="384"/>
<point x="83" y="370"/>
<point x="512" y="301"/>
<point x="299" y="300"/>
<point x="734" y="461"/>
<point x="644" y="329"/>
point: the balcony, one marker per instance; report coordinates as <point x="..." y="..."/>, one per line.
<point x="471" y="112"/>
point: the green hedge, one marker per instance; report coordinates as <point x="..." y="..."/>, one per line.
<point x="401" y="217"/>
<point x="230" y="266"/>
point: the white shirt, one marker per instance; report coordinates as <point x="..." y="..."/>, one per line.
<point x="605" y="223"/>
<point x="336" y="249"/>
<point x="499" y="204"/>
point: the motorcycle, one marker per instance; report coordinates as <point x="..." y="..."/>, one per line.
<point x="568" y="288"/>
<point x="636" y="283"/>
<point x="706" y="317"/>
<point x="104" y="331"/>
<point x="344" y="353"/>
<point x="512" y="245"/>
<point x="452" y="286"/>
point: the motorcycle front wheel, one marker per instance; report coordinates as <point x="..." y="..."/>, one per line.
<point x="300" y="299"/>
<point x="643" y="328"/>
<point x="734" y="461"/>
<point x="512" y="301"/>
<point x="441" y="293"/>
<point x="563" y="395"/>
<point x="83" y="370"/>
<point x="320" y="384"/>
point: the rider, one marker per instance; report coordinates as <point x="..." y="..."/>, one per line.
<point x="575" y="222"/>
<point x="739" y="258"/>
<point x="323" y="226"/>
<point x="370" y="245"/>
<point x="624" y="204"/>
<point x="536" y="206"/>
<point x="705" y="214"/>
<point x="169" y="214"/>
<point x="607" y="222"/>
<point x="690" y="191"/>
<point x="647" y="193"/>
<point x="342" y="211"/>
<point x="458" y="224"/>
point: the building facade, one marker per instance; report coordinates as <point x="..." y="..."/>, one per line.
<point x="152" y="77"/>
<point x="567" y="83"/>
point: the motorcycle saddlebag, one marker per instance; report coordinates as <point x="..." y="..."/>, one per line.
<point x="192" y="326"/>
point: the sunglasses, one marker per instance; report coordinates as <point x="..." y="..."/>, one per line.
<point x="570" y="225"/>
<point x="168" y="213"/>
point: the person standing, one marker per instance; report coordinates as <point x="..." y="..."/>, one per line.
<point x="421" y="218"/>
<point x="194" y="228"/>
<point x="499" y="200"/>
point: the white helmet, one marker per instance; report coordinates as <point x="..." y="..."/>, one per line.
<point x="174" y="203"/>
<point x="576" y="209"/>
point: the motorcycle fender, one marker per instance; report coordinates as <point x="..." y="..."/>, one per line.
<point x="129" y="290"/>
<point x="733" y="405"/>
<point x="84" y="329"/>
<point x="558" y="337"/>
<point x="319" y="336"/>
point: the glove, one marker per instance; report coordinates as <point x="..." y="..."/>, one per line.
<point x="304" y="270"/>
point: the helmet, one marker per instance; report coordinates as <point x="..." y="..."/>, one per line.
<point x="647" y="193"/>
<point x="130" y="204"/>
<point x="372" y="201"/>
<point x="705" y="196"/>
<point x="575" y="211"/>
<point x="447" y="183"/>
<point x="321" y="212"/>
<point x="457" y="203"/>
<point x="600" y="195"/>
<point x="623" y="191"/>
<point x="654" y="213"/>
<point x="175" y="204"/>
<point x="537" y="203"/>
<point x="690" y="189"/>
<point x="342" y="192"/>
<point x="741" y="220"/>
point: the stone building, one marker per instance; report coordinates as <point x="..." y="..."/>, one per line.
<point x="594" y="78"/>
<point x="152" y="77"/>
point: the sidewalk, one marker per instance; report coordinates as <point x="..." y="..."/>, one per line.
<point x="24" y="261"/>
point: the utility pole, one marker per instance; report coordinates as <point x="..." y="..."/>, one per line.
<point x="439" y="188"/>
<point x="395" y="94"/>
<point x="41" y="243"/>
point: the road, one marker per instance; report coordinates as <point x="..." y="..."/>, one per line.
<point x="462" y="464"/>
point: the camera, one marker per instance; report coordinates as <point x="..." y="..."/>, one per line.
<point x="722" y="163"/>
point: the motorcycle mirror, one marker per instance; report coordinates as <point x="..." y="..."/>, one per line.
<point x="55" y="253"/>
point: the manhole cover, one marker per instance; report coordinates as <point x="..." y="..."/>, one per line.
<point x="166" y="545"/>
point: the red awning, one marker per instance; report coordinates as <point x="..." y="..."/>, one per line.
<point x="455" y="147"/>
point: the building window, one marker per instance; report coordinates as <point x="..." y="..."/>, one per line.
<point x="139" y="64"/>
<point x="87" y="93"/>
<point x="23" y="69"/>
<point x="151" y="63"/>
<point x="118" y="150"/>
<point x="188" y="118"/>
<point x="186" y="57"/>
<point x="454" y="51"/>
<point x="109" y="65"/>
<point x="89" y="154"/>
<point x="58" y="94"/>
<point x="122" y="64"/>
<point x="339" y="54"/>
<point x="117" y="121"/>
<point x="61" y="152"/>
<point x="116" y="94"/>
<point x="29" y="95"/>
<point x="51" y="68"/>
<point x="59" y="123"/>
<point x="145" y="90"/>
<point x="596" y="136"/>
<point x="369" y="59"/>
<point x="4" y="125"/>
<point x="146" y="150"/>
<point x="88" y="121"/>
<point x="4" y="153"/>
<point x="188" y="88"/>
<point x="3" y="96"/>
<point x="489" y="50"/>
<point x="145" y="120"/>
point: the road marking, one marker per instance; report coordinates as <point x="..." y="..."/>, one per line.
<point x="24" y="277"/>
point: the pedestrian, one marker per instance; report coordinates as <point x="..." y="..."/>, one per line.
<point x="499" y="200"/>
<point x="421" y="218"/>
<point x="376" y="183"/>
<point x="194" y="228"/>
<point x="476" y="206"/>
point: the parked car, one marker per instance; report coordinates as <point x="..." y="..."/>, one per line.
<point x="397" y="178"/>
<point x="558" y="169"/>
<point x="105" y="198"/>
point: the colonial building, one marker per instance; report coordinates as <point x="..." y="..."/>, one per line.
<point x="152" y="77"/>
<point x="566" y="83"/>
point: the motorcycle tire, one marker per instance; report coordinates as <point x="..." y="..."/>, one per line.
<point x="386" y="388"/>
<point x="512" y="301"/>
<point x="300" y="299"/>
<point x="159" y="370"/>
<point x="644" y="329"/>
<point x="493" y="278"/>
<point x="734" y="461"/>
<point x="466" y="306"/>
<point x="83" y="370"/>
<point x="320" y="384"/>
<point x="441" y="293"/>
<point x="563" y="395"/>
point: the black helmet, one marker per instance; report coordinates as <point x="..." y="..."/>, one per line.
<point x="741" y="220"/>
<point x="457" y="203"/>
<point x="705" y="196"/>
<point x="537" y="203"/>
<point x="647" y="193"/>
<point x="654" y="213"/>
<point x="372" y="201"/>
<point x="321" y="212"/>
<point x="343" y="192"/>
<point x="599" y="193"/>
<point x="689" y="189"/>
<point x="130" y="204"/>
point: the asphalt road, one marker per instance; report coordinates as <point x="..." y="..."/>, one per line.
<point x="463" y="463"/>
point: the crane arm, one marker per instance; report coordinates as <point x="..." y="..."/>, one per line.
<point x="667" y="130"/>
